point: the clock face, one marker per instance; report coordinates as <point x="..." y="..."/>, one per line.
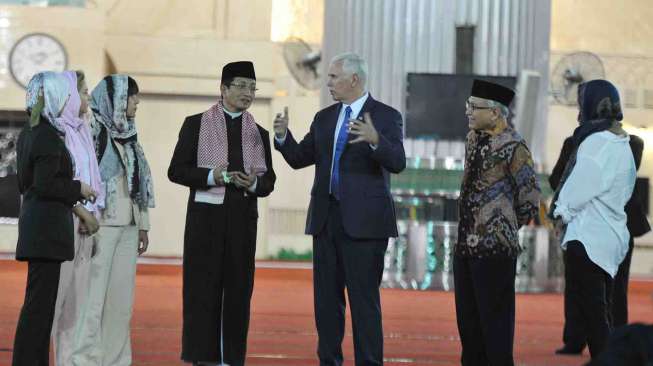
<point x="34" y="53"/>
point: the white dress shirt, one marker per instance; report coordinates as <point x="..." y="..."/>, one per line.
<point x="592" y="199"/>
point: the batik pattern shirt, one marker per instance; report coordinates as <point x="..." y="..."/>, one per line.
<point x="499" y="194"/>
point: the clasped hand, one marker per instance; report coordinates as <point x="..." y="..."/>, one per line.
<point x="239" y="179"/>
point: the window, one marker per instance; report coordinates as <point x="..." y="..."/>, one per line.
<point x="465" y="50"/>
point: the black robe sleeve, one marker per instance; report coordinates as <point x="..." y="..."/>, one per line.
<point x="183" y="166"/>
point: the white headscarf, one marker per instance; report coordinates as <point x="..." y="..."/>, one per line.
<point x="56" y="93"/>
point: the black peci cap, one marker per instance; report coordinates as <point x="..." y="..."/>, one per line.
<point x="487" y="90"/>
<point x="243" y="69"/>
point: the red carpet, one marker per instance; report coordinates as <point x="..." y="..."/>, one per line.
<point x="420" y="327"/>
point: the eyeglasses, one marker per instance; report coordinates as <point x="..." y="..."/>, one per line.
<point x="473" y="107"/>
<point x="243" y="87"/>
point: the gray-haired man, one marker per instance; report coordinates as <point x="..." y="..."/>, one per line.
<point x="354" y="144"/>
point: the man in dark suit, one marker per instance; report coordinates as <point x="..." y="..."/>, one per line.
<point x="355" y="144"/>
<point x="573" y="335"/>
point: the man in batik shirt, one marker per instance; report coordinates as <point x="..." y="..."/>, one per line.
<point x="498" y="195"/>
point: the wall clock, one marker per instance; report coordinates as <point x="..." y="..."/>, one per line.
<point x="34" y="53"/>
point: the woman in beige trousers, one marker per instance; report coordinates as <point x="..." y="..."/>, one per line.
<point x="124" y="223"/>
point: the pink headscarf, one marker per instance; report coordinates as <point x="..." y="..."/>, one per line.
<point x="80" y="143"/>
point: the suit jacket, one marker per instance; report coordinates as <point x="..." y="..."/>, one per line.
<point x="183" y="167"/>
<point x="365" y="200"/>
<point x="45" y="180"/>
<point x="637" y="222"/>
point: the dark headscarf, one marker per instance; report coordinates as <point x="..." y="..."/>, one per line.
<point x="599" y="107"/>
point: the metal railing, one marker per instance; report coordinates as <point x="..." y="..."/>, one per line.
<point x="421" y="258"/>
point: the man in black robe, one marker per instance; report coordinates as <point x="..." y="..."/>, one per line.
<point x="224" y="157"/>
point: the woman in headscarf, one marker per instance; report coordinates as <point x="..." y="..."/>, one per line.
<point x="124" y="223"/>
<point x="45" y="225"/>
<point x="595" y="186"/>
<point x="74" y="276"/>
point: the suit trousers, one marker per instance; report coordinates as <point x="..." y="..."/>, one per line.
<point x="104" y="333"/>
<point x="72" y="295"/>
<point x="32" y="340"/>
<point x="485" y="309"/>
<point x="339" y="262"/>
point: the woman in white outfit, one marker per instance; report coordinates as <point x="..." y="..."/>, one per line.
<point x="124" y="223"/>
<point x="74" y="275"/>
<point x="596" y="184"/>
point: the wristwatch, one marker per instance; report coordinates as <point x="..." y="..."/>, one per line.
<point x="225" y="177"/>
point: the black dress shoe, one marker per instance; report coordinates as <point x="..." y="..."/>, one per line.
<point x="569" y="350"/>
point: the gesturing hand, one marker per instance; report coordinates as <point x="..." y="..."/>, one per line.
<point x="281" y="124"/>
<point x="363" y="130"/>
